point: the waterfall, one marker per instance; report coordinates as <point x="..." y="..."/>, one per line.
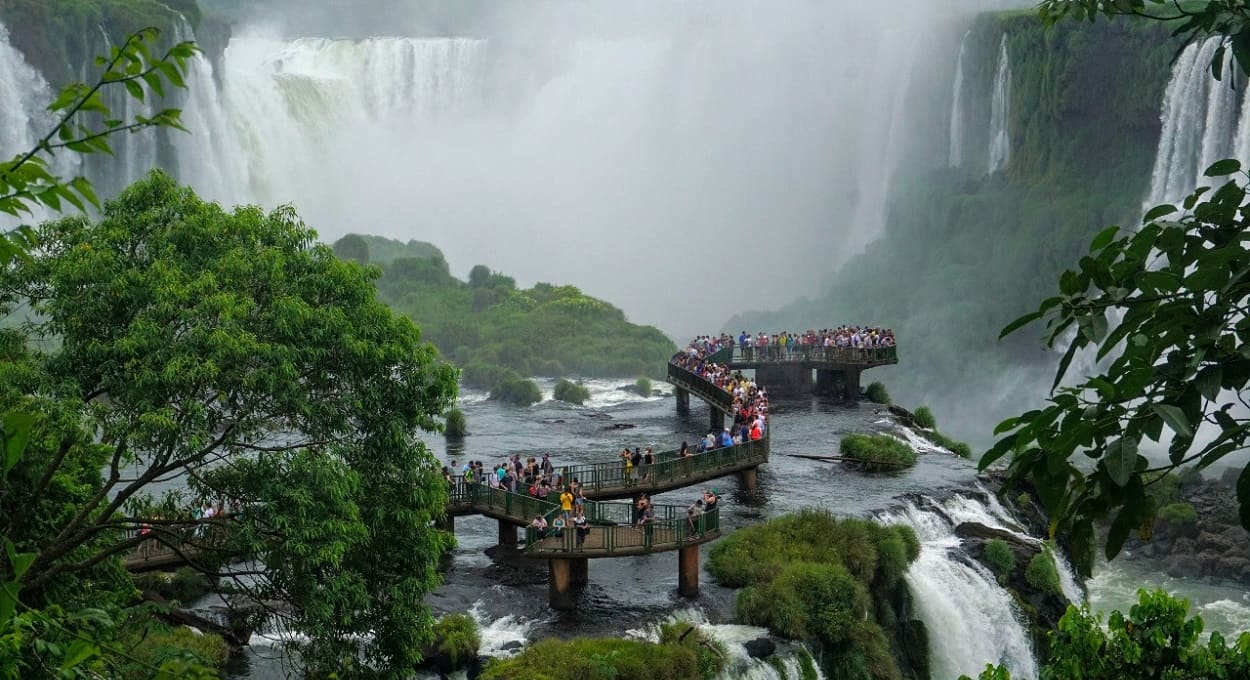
<point x="739" y="665"/>
<point x="1200" y="123"/>
<point x="957" y="108"/>
<point x="971" y="619"/>
<point x="1000" y="112"/>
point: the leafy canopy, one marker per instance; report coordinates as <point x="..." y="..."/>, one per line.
<point x="228" y="357"/>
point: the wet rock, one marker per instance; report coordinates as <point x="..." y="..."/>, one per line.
<point x="512" y="646"/>
<point x="1183" y="566"/>
<point x="620" y="426"/>
<point x="1209" y="542"/>
<point x="761" y="648"/>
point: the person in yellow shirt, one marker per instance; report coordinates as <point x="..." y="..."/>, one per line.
<point x="566" y="503"/>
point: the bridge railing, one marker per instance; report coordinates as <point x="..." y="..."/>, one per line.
<point x="867" y="356"/>
<point x="701" y="387"/>
<point x="613" y="529"/>
<point x="669" y="469"/>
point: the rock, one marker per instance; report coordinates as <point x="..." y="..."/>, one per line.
<point x="761" y="648"/>
<point x="1183" y="566"/>
<point x="512" y="646"/>
<point x="620" y="426"/>
<point x="1229" y="478"/>
<point x="1213" y="543"/>
<point x="1231" y="567"/>
<point x="1184" y="546"/>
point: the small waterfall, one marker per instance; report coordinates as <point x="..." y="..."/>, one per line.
<point x="971" y="619"/>
<point x="739" y="664"/>
<point x="501" y="637"/>
<point x="1201" y="123"/>
<point x="1000" y="112"/>
<point x="957" y="108"/>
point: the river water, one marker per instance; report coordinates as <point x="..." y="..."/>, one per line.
<point x="628" y="596"/>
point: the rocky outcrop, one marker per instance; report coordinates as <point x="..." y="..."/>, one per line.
<point x="1042" y="608"/>
<point x="761" y="648"/>
<point x="1197" y="534"/>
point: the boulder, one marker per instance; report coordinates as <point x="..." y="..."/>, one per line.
<point x="512" y="645"/>
<point x="1213" y="543"/>
<point x="1182" y="566"/>
<point x="761" y="648"/>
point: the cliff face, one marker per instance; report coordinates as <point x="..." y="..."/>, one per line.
<point x="965" y="252"/>
<point x="62" y="38"/>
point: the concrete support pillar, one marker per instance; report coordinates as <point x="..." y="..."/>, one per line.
<point x="826" y="381"/>
<point x="580" y="569"/>
<point x="850" y="383"/>
<point x="747" y="479"/>
<point x="560" y="591"/>
<point x="688" y="571"/>
<point x="683" y="400"/>
<point x="717" y="420"/>
<point x="507" y="533"/>
<point x="785" y="378"/>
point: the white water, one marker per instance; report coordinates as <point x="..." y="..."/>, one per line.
<point x="971" y="619"/>
<point x="574" y="149"/>
<point x="1201" y="124"/>
<point x="1000" y="112"/>
<point x="957" y="108"/>
<point x="739" y="664"/>
<point x="495" y="635"/>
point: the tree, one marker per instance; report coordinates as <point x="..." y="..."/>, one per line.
<point x="1156" y="640"/>
<point x="1229" y="18"/>
<point x="352" y="247"/>
<point x="1166" y="307"/>
<point x="229" y="353"/>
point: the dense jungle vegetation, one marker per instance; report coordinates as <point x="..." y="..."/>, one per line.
<point x="490" y="327"/>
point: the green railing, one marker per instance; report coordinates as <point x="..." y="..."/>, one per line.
<point x="612" y="530"/>
<point x="867" y="356"/>
<point x="668" y="471"/>
<point x="698" y="386"/>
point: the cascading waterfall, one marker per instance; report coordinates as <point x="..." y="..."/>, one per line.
<point x="971" y="619"/>
<point x="1000" y="112"/>
<point x="739" y="665"/>
<point x="1201" y="123"/>
<point x="957" y="108"/>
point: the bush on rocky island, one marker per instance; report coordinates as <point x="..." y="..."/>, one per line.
<point x="1042" y="574"/>
<point x="643" y="387"/>
<point x="517" y="391"/>
<point x="601" y="659"/>
<point x="833" y="583"/>
<point x="456" y="425"/>
<point x="876" y="393"/>
<point x="1000" y="558"/>
<point x="571" y="392"/>
<point x="878" y="452"/>
<point x="456" y="641"/>
<point x="925" y="419"/>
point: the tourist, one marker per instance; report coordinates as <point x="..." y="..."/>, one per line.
<point x="540" y="526"/>
<point x="566" y="503"/>
<point x="710" y="499"/>
<point x="726" y="439"/>
<point x="582" y="526"/>
<point x="684" y="451"/>
<point x="547" y="468"/>
<point x="557" y="526"/>
<point x="579" y="500"/>
<point x="640" y="509"/>
<point x="693" y="515"/>
<point x="627" y="466"/>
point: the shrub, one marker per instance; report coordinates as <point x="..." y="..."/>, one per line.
<point x="517" y="391"/>
<point x="184" y="586"/>
<point x="571" y="392"/>
<point x="456" y="426"/>
<point x="1042" y="575"/>
<point x="1178" y="514"/>
<point x="709" y="654"/>
<point x="484" y="376"/>
<point x="1000" y="558"/>
<point x="597" y="659"/>
<point x="456" y="637"/>
<point x="643" y="386"/>
<point x="958" y="448"/>
<point x="878" y="452"/>
<point x="925" y="419"/>
<point x="876" y="393"/>
<point x="151" y="643"/>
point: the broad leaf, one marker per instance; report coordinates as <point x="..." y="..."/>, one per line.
<point x="1175" y="419"/>
<point x="1121" y="460"/>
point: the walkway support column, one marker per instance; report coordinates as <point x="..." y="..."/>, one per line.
<point x="717" y="420"/>
<point x="747" y="479"/>
<point x="850" y="383"/>
<point x="580" y="569"/>
<point x="560" y="587"/>
<point x="507" y="533"/>
<point x="688" y="571"/>
<point x="826" y="381"/>
<point x="683" y="399"/>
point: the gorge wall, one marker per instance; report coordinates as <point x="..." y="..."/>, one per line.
<point x="1049" y="136"/>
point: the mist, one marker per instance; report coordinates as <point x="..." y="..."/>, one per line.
<point x="682" y="161"/>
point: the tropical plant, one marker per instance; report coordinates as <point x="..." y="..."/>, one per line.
<point x="1042" y="574"/>
<point x="925" y="419"/>
<point x="878" y="452"/>
<point x="517" y="391"/>
<point x="1000" y="558"/>
<point x="877" y="393"/>
<point x="456" y="425"/>
<point x="571" y="392"/>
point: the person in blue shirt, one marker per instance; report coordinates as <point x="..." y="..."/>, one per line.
<point x="726" y="439"/>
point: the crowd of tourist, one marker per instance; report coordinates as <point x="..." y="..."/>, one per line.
<point x="830" y="343"/>
<point x="750" y="401"/>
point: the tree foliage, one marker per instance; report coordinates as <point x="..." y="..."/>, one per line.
<point x="1156" y="640"/>
<point x="1166" y="305"/>
<point x="232" y="355"/>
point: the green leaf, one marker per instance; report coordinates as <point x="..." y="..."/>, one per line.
<point x="1157" y="212"/>
<point x="1103" y="239"/>
<point x="1019" y="323"/>
<point x="17" y="428"/>
<point x="1120" y="460"/>
<point x="1175" y="418"/>
<point x="1124" y="522"/>
<point x="1208" y="381"/>
<point x="135" y="89"/>
<point x="1228" y="166"/>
